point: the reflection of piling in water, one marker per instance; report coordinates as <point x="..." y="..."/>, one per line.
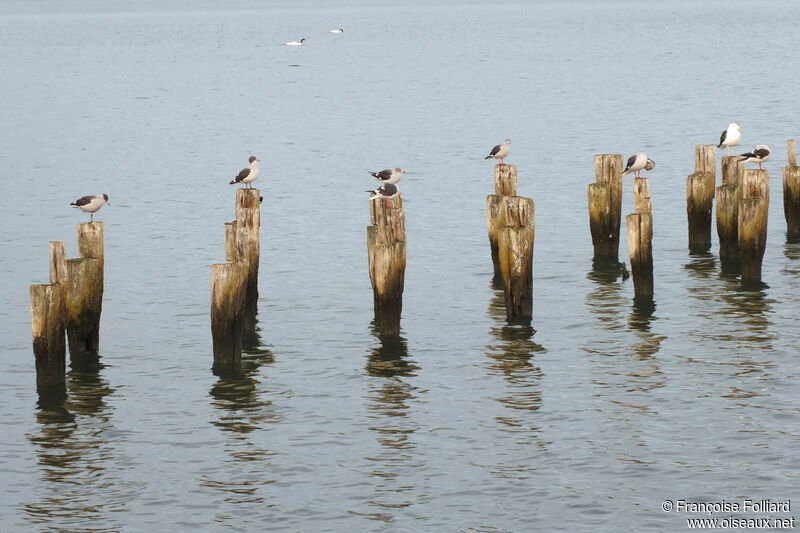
<point x="228" y="300"/>
<point x="386" y="253"/>
<point x="640" y="236"/>
<point x="511" y="221"/>
<point x="605" y="206"/>
<point x="728" y="196"/>
<point x="753" y="212"/>
<point x="791" y="195"/>
<point x="85" y="280"/>
<point x="700" y="198"/>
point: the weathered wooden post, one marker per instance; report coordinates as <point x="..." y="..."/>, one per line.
<point x="515" y="255"/>
<point x="248" y="224"/>
<point x="640" y="236"/>
<point x="791" y="195"/>
<point x="505" y="184"/>
<point x="228" y="299"/>
<point x="386" y="253"/>
<point x="605" y="206"/>
<point x="700" y="198"/>
<point x="753" y="211"/>
<point x="85" y="279"/>
<point x="48" y="320"/>
<point x="728" y="196"/>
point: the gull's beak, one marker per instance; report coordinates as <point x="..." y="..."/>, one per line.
<point x="739" y="128"/>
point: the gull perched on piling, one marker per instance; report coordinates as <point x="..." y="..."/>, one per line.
<point x="759" y="155"/>
<point x="389" y="175"/>
<point x="637" y="163"/>
<point x="247" y="175"/>
<point x="387" y="191"/>
<point x="500" y="151"/>
<point x="91" y="204"/>
<point x="730" y="137"/>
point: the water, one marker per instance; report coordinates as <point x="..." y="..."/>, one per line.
<point x="589" y="420"/>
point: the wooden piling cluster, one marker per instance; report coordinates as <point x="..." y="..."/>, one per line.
<point x="791" y="195"/>
<point x="640" y="237"/>
<point x="511" y="222"/>
<point x="605" y="206"/>
<point x="386" y="254"/>
<point x="234" y="284"/>
<point x="70" y="304"/>
<point x="700" y="198"/>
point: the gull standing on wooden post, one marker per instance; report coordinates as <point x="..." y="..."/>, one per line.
<point x="637" y="163"/>
<point x="500" y="151"/>
<point x="387" y="191"/>
<point x="730" y="137"/>
<point x="389" y="175"/>
<point x="247" y="175"/>
<point x="91" y="204"/>
<point x="759" y="155"/>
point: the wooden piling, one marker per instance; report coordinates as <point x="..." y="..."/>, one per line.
<point x="728" y="227"/>
<point x="505" y="184"/>
<point x="700" y="198"/>
<point x="753" y="211"/>
<point x="47" y="327"/>
<point x="90" y="241"/>
<point x="732" y="169"/>
<point x="640" y="236"/>
<point x="248" y="225"/>
<point x="386" y="253"/>
<point x="228" y="300"/>
<point x="505" y="180"/>
<point x="515" y="255"/>
<point x="605" y="206"/>
<point x="84" y="304"/>
<point x="791" y="195"/>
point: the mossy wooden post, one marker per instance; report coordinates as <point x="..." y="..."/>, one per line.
<point x="505" y="184"/>
<point x="640" y="237"/>
<point x="791" y="195"/>
<point x="386" y="254"/>
<point x="515" y="254"/>
<point x="228" y="299"/>
<point x="85" y="285"/>
<point x="605" y="206"/>
<point x="48" y="320"/>
<point x="700" y="198"/>
<point x="248" y="224"/>
<point x="753" y="212"/>
<point x="727" y="215"/>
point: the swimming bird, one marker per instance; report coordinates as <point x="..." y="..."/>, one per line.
<point x="91" y="204"/>
<point x="759" y="155"/>
<point x="730" y="137"/>
<point x="295" y="43"/>
<point x="247" y="175"/>
<point x="500" y="151"/>
<point x="637" y="163"/>
<point x="389" y="175"/>
<point x="387" y="191"/>
<point x="340" y="30"/>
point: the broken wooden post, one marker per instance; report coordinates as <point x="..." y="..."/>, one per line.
<point x="515" y="255"/>
<point x="85" y="280"/>
<point x="753" y="211"/>
<point x="48" y="320"/>
<point x="248" y="224"/>
<point x="228" y="298"/>
<point x="605" y="206"/>
<point x="640" y="236"/>
<point x="727" y="216"/>
<point x="386" y="253"/>
<point x="700" y="198"/>
<point x="505" y="184"/>
<point x="791" y="195"/>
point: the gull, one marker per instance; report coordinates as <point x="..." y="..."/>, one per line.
<point x="91" y="204"/>
<point x="759" y="155"/>
<point x="389" y="175"/>
<point x="637" y="163"/>
<point x="500" y="151"/>
<point x="730" y="137"/>
<point x="295" y="43"/>
<point x="387" y="191"/>
<point x="340" y="30"/>
<point x="247" y="175"/>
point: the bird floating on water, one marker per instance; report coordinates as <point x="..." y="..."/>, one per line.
<point x="500" y="151"/>
<point x="759" y="155"/>
<point x="340" y="30"/>
<point x="389" y="175"/>
<point x="637" y="163"/>
<point x="295" y="43"/>
<point x="247" y="175"/>
<point x="387" y="191"/>
<point x="730" y="137"/>
<point x="91" y="204"/>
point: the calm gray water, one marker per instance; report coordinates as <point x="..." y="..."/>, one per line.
<point x="589" y="420"/>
